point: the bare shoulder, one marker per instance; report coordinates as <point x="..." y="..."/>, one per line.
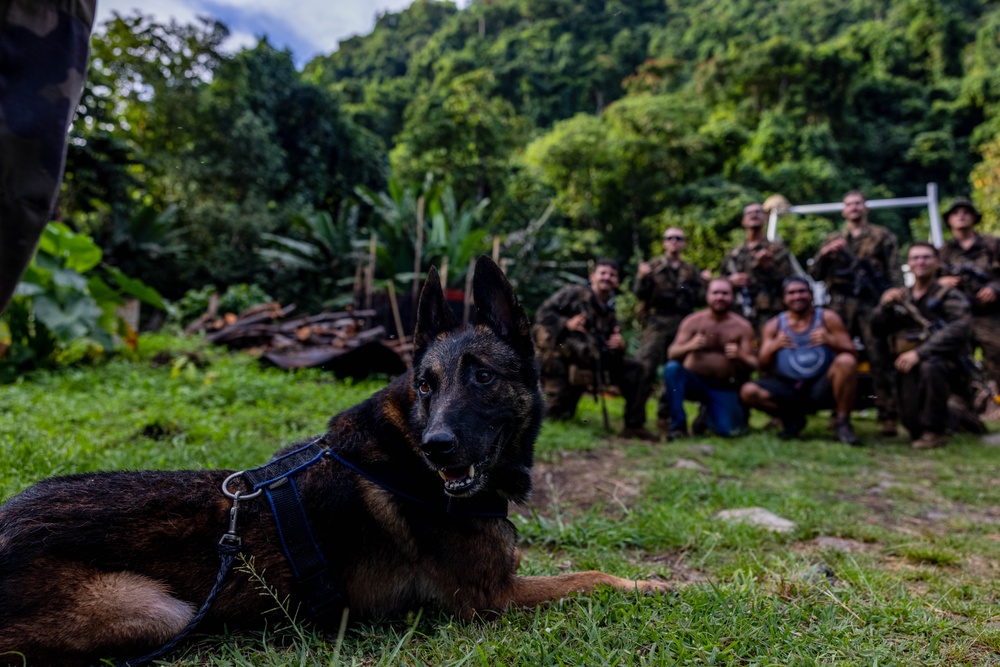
<point x="832" y="320"/>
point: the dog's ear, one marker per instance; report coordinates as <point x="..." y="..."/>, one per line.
<point x="498" y="308"/>
<point x="433" y="314"/>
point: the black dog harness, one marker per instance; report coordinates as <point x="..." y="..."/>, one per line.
<point x="313" y="578"/>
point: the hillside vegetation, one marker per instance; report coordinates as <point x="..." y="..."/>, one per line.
<point x="605" y="120"/>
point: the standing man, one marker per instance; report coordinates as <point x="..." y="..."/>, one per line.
<point x="812" y="365"/>
<point x="971" y="262"/>
<point x="579" y="344"/>
<point x="709" y="360"/>
<point x="756" y="269"/>
<point x="43" y="64"/>
<point x="928" y="332"/>
<point x="669" y="289"/>
<point x="858" y="264"/>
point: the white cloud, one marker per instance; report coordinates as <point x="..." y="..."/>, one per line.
<point x="311" y="26"/>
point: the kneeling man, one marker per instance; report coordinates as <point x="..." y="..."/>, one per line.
<point x="709" y="359"/>
<point x="811" y="365"/>
<point x="928" y="327"/>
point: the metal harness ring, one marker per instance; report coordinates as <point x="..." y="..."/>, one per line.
<point x="238" y="495"/>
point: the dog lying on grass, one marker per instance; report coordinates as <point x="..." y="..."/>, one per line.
<point x="405" y="506"/>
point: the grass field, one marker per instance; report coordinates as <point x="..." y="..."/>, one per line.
<point x="894" y="558"/>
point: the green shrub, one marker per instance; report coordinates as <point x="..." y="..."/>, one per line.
<point x="65" y="308"/>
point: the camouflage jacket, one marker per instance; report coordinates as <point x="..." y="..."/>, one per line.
<point x="978" y="267"/>
<point x="554" y="340"/>
<point x="848" y="274"/>
<point x="938" y="323"/>
<point x="669" y="291"/>
<point x="764" y="285"/>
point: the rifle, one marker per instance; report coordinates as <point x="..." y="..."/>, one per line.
<point x="599" y="382"/>
<point x="746" y="305"/>
<point x="977" y="278"/>
<point x="867" y="282"/>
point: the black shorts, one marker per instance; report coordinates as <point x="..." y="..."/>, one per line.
<point x="805" y="395"/>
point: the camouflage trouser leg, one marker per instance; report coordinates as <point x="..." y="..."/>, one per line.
<point x="883" y="371"/>
<point x="923" y="395"/>
<point x="986" y="330"/>
<point x="561" y="397"/>
<point x="654" y="340"/>
<point x="43" y="62"/>
<point x="857" y="318"/>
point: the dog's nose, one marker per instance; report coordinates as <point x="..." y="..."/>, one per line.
<point x="439" y="443"/>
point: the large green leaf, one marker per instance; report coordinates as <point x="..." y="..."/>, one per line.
<point x="136" y="288"/>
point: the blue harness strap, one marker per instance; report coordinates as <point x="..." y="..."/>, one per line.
<point x="276" y="479"/>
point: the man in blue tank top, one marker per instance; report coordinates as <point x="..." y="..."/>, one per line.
<point x="811" y="365"/>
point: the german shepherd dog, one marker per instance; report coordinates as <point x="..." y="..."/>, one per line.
<point x="115" y="564"/>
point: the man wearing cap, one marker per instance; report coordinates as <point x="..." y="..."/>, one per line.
<point x="857" y="265"/>
<point x="756" y="269"/>
<point x="668" y="289"/>
<point x="811" y="365"/>
<point x="971" y="262"/>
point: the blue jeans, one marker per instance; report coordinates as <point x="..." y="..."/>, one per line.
<point x="725" y="413"/>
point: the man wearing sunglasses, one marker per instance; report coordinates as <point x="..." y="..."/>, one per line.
<point x="669" y="289"/>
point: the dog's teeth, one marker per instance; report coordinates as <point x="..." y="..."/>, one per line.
<point x="443" y="476"/>
<point x="472" y="472"/>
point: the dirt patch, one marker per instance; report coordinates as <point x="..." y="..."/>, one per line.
<point x="580" y="480"/>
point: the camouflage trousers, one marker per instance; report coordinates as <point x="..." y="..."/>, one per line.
<point x="857" y="316"/>
<point x="654" y="339"/>
<point x="986" y="331"/>
<point x="562" y="396"/>
<point x="43" y="62"/>
<point x="924" y="392"/>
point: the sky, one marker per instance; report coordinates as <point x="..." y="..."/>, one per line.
<point x="307" y="27"/>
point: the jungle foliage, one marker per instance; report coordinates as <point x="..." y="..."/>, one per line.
<point x="606" y="120"/>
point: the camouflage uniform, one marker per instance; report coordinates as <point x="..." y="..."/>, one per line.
<point x="569" y="359"/>
<point x="943" y="341"/>
<point x="43" y="61"/>
<point x="666" y="296"/>
<point x="762" y="298"/>
<point x="981" y="264"/>
<point x="854" y="294"/>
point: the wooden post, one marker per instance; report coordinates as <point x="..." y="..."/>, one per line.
<point x="358" y="289"/>
<point x="468" y="291"/>
<point x="444" y="272"/>
<point x="418" y="252"/>
<point x="496" y="249"/>
<point x="370" y="275"/>
<point x="399" y="322"/>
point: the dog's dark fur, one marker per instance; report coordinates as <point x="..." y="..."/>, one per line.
<point x="115" y="564"/>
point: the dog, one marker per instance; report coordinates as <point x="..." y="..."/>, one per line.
<point x="406" y="507"/>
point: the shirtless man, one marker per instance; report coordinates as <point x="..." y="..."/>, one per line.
<point x="709" y="359"/>
<point x="811" y="364"/>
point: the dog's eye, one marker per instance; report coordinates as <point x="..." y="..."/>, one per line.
<point x="485" y="377"/>
<point x="423" y="387"/>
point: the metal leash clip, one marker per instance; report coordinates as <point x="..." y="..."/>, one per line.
<point x="230" y="538"/>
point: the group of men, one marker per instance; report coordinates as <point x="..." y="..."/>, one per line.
<point x="761" y="342"/>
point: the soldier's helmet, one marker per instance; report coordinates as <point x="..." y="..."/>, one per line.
<point x="963" y="202"/>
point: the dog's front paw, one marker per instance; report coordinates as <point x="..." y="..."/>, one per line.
<point x="648" y="587"/>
